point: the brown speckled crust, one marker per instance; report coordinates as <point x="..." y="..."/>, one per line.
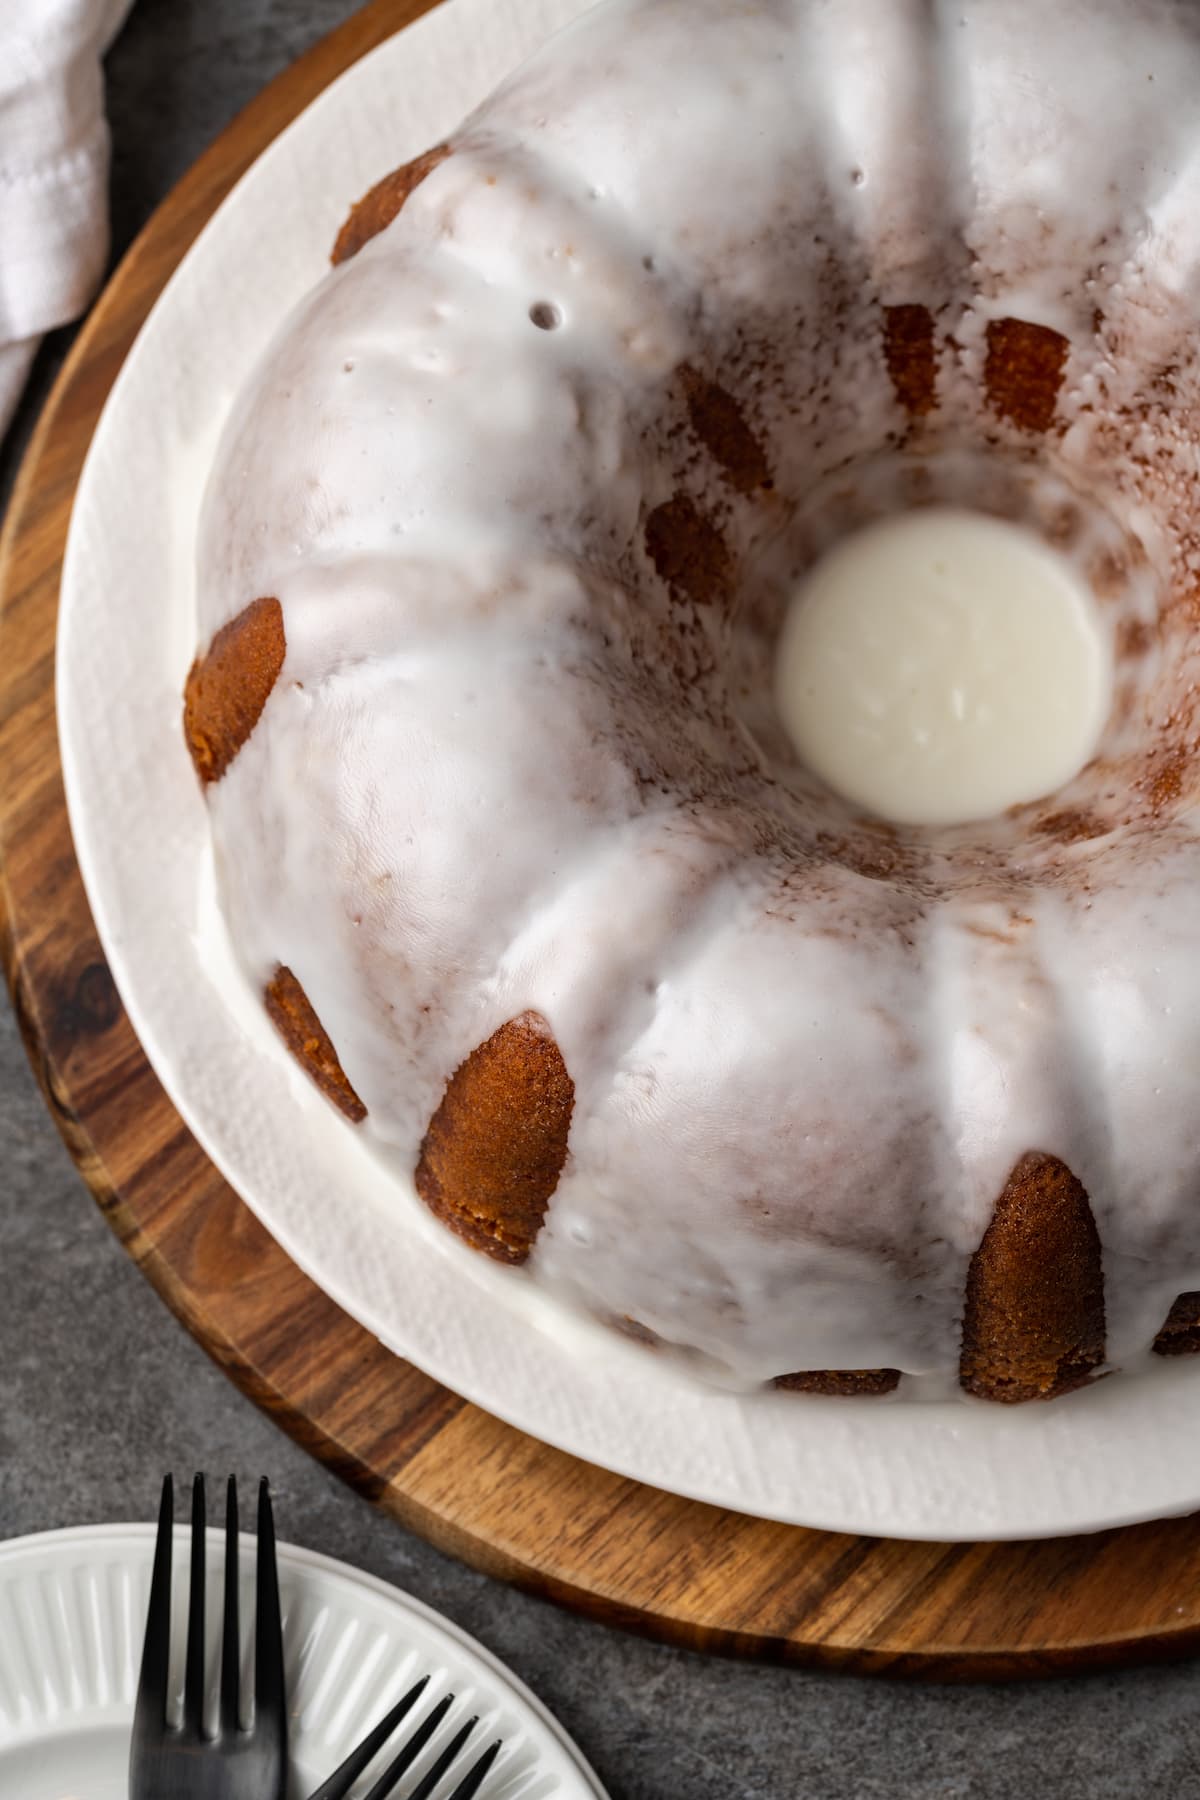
<point x="290" y="1011"/>
<point x="379" y="206"/>
<point x="228" y="686"/>
<point x="689" y="552"/>
<point x="720" y="424"/>
<point x="1134" y="638"/>
<point x="1034" y="1321"/>
<point x="1024" y="371"/>
<point x="496" y="1146"/>
<point x="1070" y="826"/>
<point x="911" y="356"/>
<point x="1166" y="777"/>
<point x="1180" y="1335"/>
<point x="847" y="1382"/>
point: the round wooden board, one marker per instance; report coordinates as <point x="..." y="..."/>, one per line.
<point x="624" y="1553"/>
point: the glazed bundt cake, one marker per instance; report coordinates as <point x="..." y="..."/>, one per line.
<point x="493" y="567"/>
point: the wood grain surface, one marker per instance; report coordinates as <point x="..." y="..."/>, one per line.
<point x="624" y="1553"/>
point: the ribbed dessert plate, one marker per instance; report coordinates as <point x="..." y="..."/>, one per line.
<point x="1128" y="1449"/>
<point x="72" y="1609"/>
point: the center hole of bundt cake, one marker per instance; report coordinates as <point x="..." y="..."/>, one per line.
<point x="939" y="666"/>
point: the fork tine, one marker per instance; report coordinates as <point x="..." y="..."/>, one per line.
<point x="193" y="1683"/>
<point x="474" y="1778"/>
<point x="344" y="1777"/>
<point x="445" y="1760"/>
<point x="409" y="1754"/>
<point x="231" y="1660"/>
<point x="270" y="1701"/>
<point x="151" y="1708"/>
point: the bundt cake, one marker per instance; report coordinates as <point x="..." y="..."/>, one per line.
<point x="493" y="566"/>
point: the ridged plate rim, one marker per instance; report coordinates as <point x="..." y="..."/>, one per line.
<point x="339" y="1684"/>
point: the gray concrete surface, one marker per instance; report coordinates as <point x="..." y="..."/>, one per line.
<point x="101" y="1390"/>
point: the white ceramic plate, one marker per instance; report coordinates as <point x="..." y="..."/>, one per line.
<point x="72" y="1611"/>
<point x="1128" y="1449"/>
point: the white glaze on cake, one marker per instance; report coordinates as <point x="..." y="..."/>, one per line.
<point x="505" y="768"/>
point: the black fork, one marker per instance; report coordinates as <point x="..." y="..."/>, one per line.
<point x="342" y="1780"/>
<point x="185" y="1762"/>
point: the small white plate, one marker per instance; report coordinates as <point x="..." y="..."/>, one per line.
<point x="72" y="1611"/>
<point x="1127" y="1449"/>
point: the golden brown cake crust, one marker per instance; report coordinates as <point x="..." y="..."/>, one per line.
<point x="291" y="1013"/>
<point x="229" y="685"/>
<point x="380" y="204"/>
<point x="721" y="425"/>
<point x="1180" y="1335"/>
<point x="496" y="1146"/>
<point x="847" y="1382"/>
<point x="1034" y="1321"/>
<point x="1023" y="372"/>
<point x="910" y="352"/>
<point x="689" y="552"/>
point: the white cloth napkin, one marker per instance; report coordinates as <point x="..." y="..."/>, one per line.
<point x="53" y="172"/>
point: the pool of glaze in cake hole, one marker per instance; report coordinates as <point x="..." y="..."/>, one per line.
<point x="940" y="666"/>
<point x="1085" y="541"/>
